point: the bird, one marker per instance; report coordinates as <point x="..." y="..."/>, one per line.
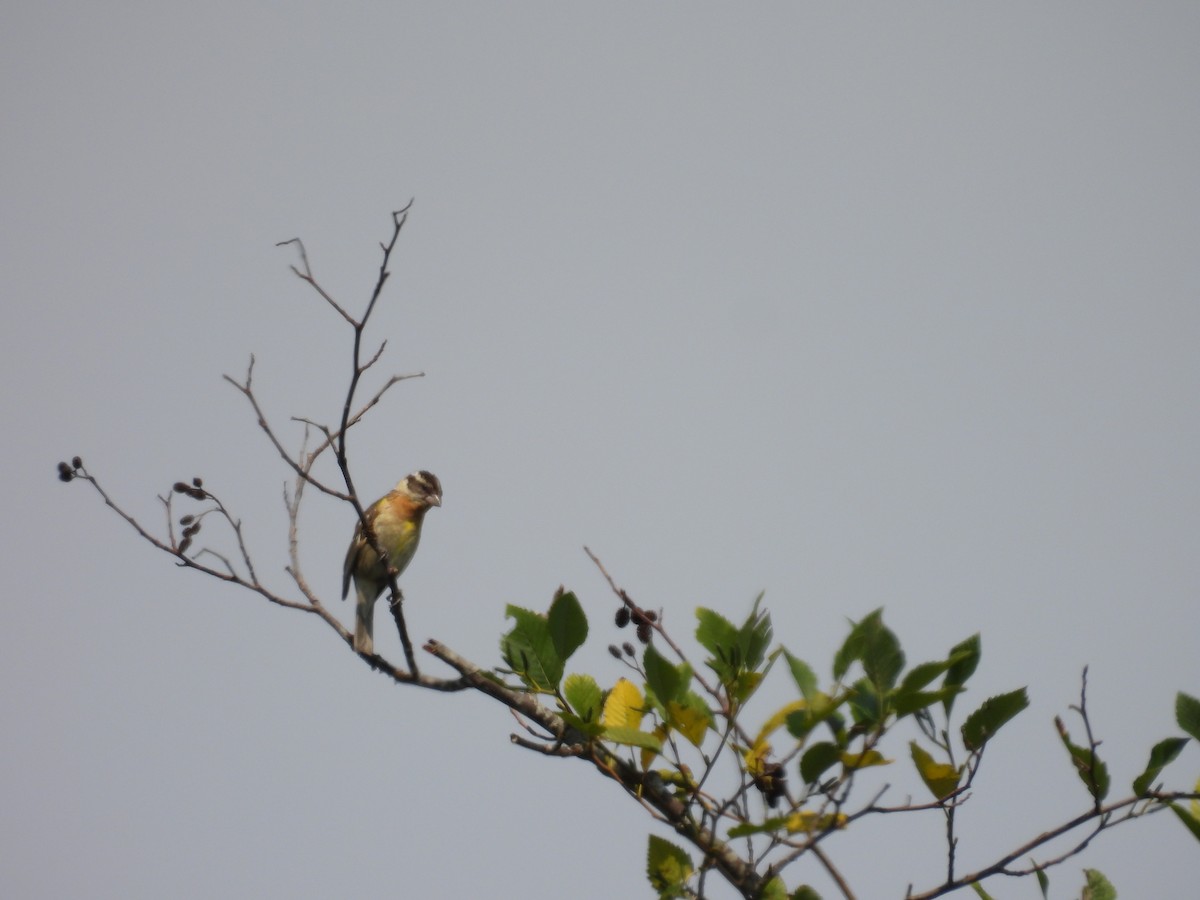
<point x="396" y="520"/>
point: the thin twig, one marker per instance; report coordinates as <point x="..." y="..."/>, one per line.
<point x="833" y="872"/>
<point x="247" y="391"/>
<point x="1000" y="866"/>
<point x="398" y="219"/>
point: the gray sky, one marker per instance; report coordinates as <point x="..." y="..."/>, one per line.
<point x="862" y="305"/>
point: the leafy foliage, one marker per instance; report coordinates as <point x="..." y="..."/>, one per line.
<point x="1187" y="714"/>
<point x="982" y="725"/>
<point x="668" y="867"/>
<point x="833" y="732"/>
<point x="737" y="653"/>
<point x="1098" y="887"/>
<point x="941" y="778"/>
<point x="1092" y="770"/>
<point x="1161" y="755"/>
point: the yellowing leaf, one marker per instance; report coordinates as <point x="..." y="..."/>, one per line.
<point x="667" y="867"/>
<point x="681" y="778"/>
<point x="692" y="723"/>
<point x="803" y="820"/>
<point x="755" y="757"/>
<point x="940" y="778"/>
<point x="776" y="721"/>
<point x="808" y="821"/>
<point x="649" y="753"/>
<point x="859" y="760"/>
<point x="631" y="737"/>
<point x="745" y="685"/>
<point x="624" y="706"/>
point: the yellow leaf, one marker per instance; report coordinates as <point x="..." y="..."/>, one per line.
<point x="808" y="821"/>
<point x="940" y="778"/>
<point x="803" y="820"/>
<point x="858" y="760"/>
<point x="681" y="778"/>
<point x="692" y="723"/>
<point x="773" y="724"/>
<point x="624" y="706"/>
<point x="648" y="754"/>
<point x="755" y="757"/>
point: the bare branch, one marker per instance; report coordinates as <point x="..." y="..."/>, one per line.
<point x="307" y="277"/>
<point x="247" y="391"/>
<point x="1000" y="866"/>
<point x="833" y="873"/>
<point x="657" y="625"/>
<point x="184" y="560"/>
<point x="396" y="597"/>
<point x="555" y="749"/>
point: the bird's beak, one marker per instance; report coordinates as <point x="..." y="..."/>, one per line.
<point x="435" y="500"/>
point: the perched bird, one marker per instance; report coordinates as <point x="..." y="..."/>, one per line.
<point x="396" y="520"/>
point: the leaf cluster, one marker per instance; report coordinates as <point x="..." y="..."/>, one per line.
<point x="679" y="725"/>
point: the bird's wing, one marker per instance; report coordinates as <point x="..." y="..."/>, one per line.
<point x="352" y="557"/>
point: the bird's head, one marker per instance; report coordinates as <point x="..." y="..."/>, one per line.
<point x="422" y="488"/>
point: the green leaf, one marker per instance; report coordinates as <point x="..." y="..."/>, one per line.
<point x="745" y="829"/>
<point x="801" y="820"/>
<point x="1190" y="822"/>
<point x="666" y="681"/>
<point x="804" y="892"/>
<point x="981" y="726"/>
<point x="754" y="637"/>
<point x="884" y="660"/>
<point x="744" y="685"/>
<point x="632" y="737"/>
<point x="820" y="707"/>
<point x="800" y="723"/>
<point x="1187" y="714"/>
<point x="1092" y="770"/>
<point x="803" y="676"/>
<point x="866" y="705"/>
<point x="1098" y="887"/>
<point x="940" y="778"/>
<point x="817" y="760"/>
<point x="584" y="696"/>
<point x="873" y="644"/>
<point x="1043" y="880"/>
<point x="964" y="657"/>
<point x="980" y="891"/>
<point x="529" y="650"/>
<point x="850" y="651"/>
<point x="568" y="624"/>
<point x="1162" y="754"/>
<point x="717" y="635"/>
<point x="589" y="728"/>
<point x="774" y="889"/>
<point x="668" y="867"/>
<point x="905" y="703"/>
<point x="920" y="676"/>
<point x="737" y="653"/>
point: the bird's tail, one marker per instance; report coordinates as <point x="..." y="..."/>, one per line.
<point x="364" y="617"/>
